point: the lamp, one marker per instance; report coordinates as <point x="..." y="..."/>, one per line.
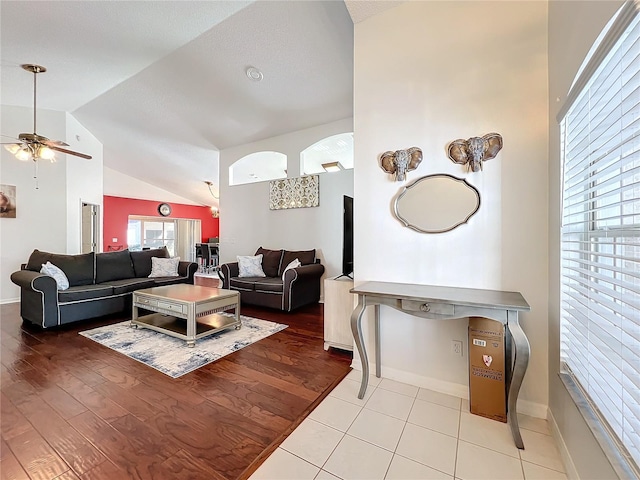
<point x="209" y="185"/>
<point x="215" y="213"/>
<point x="332" y="167"/>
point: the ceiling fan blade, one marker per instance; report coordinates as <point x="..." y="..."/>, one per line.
<point x="55" y="143"/>
<point x="10" y="136"/>
<point x="70" y="152"/>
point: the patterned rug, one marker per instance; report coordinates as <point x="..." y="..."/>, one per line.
<point x="171" y="355"/>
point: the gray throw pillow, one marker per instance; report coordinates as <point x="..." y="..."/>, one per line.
<point x="142" y="260"/>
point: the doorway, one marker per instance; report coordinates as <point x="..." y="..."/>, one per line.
<point x="90" y="227"/>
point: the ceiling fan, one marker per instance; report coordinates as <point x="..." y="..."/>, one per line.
<point x="31" y="146"/>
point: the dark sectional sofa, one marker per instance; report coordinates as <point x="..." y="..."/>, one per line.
<point x="99" y="284"/>
<point x="301" y="285"/>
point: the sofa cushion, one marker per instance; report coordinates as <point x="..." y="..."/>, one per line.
<point x="270" y="261"/>
<point x="306" y="257"/>
<point x="127" y="285"/>
<point x="142" y="260"/>
<point x="85" y="292"/>
<point x="167" y="280"/>
<point x="245" y="283"/>
<point x="269" y="284"/>
<point x="114" y="266"/>
<point x="79" y="269"/>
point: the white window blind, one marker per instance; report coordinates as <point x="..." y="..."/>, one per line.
<point x="600" y="245"/>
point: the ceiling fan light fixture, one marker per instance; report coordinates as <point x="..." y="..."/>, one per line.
<point x="12" y="148"/>
<point x="46" y="153"/>
<point x="33" y="146"/>
<point x="23" y="154"/>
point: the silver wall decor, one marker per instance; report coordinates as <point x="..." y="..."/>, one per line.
<point x="297" y="192"/>
<point x="475" y="150"/>
<point x="400" y="162"/>
<point x="436" y="203"/>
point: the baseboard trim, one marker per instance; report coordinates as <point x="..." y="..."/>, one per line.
<point x="569" y="466"/>
<point x="9" y="300"/>
<point x="532" y="409"/>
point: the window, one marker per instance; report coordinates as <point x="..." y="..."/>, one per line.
<point x="258" y="167"/>
<point x="330" y="150"/>
<point x="600" y="244"/>
<point x="151" y="233"/>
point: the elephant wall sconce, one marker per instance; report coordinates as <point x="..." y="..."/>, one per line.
<point x="475" y="150"/>
<point x="400" y="162"/>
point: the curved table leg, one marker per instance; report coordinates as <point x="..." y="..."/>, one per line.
<point x="521" y="352"/>
<point x="356" y="330"/>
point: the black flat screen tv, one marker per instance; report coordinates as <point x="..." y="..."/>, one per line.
<point x="347" y="237"/>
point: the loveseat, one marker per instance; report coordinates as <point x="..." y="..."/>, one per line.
<point x="99" y="284"/>
<point x="285" y="291"/>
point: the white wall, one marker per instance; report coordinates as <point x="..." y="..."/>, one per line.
<point x="41" y="215"/>
<point x="427" y="73"/>
<point x="573" y="27"/>
<point x="247" y="223"/>
<point x="118" y="184"/>
<point x="84" y="181"/>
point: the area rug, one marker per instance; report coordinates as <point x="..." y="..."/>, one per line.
<point x="172" y="356"/>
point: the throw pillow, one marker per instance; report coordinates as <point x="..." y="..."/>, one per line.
<point x="294" y="264"/>
<point x="164" y="267"/>
<point x="142" y="260"/>
<point x="57" y="274"/>
<point x="250" y="266"/>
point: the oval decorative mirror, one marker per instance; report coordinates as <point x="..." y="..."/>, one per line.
<point x="437" y="203"/>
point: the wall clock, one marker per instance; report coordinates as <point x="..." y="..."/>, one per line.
<point x="164" y="209"/>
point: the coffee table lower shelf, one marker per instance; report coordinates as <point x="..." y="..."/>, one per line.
<point x="177" y="327"/>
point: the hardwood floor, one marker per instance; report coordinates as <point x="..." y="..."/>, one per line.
<point x="72" y="409"/>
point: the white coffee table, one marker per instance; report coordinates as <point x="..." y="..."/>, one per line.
<point x="186" y="311"/>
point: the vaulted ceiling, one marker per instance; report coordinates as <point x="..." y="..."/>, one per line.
<point x="163" y="84"/>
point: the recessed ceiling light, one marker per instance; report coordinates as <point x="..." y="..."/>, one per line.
<point x="254" y="74"/>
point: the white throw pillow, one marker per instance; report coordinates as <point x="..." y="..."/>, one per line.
<point x="57" y="274"/>
<point x="293" y="264"/>
<point x="164" y="267"/>
<point x="250" y="266"/>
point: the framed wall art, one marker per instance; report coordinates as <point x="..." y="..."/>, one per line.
<point x="7" y="201"/>
<point x="300" y="192"/>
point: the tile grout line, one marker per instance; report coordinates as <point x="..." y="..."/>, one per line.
<point x="393" y="451"/>
<point x="455" y="461"/>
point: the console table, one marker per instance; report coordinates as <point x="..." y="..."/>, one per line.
<point x="447" y="303"/>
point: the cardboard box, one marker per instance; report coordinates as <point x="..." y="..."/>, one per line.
<point x="487" y="386"/>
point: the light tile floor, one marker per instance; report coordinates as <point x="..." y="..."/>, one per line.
<point x="402" y="432"/>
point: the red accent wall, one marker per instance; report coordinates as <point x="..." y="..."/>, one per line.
<point x="116" y="211"/>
